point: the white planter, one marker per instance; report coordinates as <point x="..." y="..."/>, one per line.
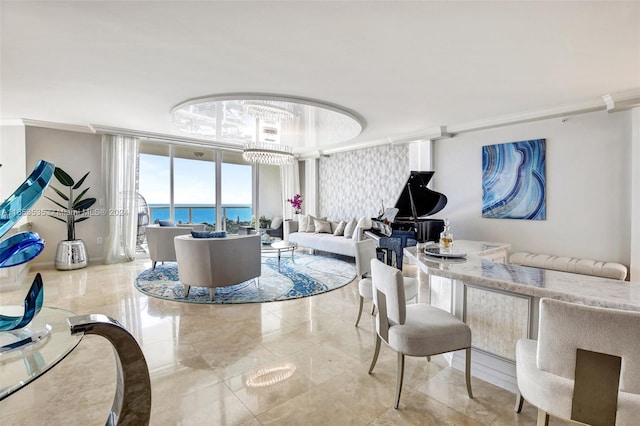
<point x="71" y="255"/>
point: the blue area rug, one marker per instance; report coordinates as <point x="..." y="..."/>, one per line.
<point x="307" y="276"/>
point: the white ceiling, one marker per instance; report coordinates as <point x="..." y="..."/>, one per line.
<point x="406" y="67"/>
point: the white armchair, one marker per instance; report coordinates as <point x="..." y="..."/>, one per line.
<point x="217" y="262"/>
<point x="546" y="369"/>
<point x="160" y="240"/>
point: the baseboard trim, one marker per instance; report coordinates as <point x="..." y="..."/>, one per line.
<point x="48" y="265"/>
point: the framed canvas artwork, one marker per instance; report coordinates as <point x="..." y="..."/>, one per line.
<point x="513" y="180"/>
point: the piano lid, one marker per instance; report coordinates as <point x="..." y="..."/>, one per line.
<point x="416" y="200"/>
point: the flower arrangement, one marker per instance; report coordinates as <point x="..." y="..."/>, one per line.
<point x="265" y="222"/>
<point x="296" y="203"/>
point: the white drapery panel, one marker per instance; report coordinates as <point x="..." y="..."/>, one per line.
<point x="290" y="179"/>
<point x="119" y="164"/>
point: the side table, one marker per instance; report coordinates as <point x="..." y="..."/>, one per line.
<point x="23" y="365"/>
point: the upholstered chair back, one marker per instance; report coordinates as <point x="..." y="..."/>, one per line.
<point x="565" y="327"/>
<point x="218" y="262"/>
<point x="160" y="241"/>
<point x="365" y="251"/>
<point x="388" y="297"/>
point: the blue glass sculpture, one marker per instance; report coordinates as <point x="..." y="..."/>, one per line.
<point x="22" y="247"/>
<point x="32" y="305"/>
<point x="14" y="207"/>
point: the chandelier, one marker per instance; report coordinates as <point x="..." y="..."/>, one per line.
<point x="269" y="111"/>
<point x="269" y="128"/>
<point x="267" y="153"/>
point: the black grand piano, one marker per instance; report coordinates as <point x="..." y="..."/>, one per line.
<point x="410" y="224"/>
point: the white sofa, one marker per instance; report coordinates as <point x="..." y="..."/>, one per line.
<point x="217" y="262"/>
<point x="321" y="241"/>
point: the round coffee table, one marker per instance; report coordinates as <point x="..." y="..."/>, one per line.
<point x="281" y="247"/>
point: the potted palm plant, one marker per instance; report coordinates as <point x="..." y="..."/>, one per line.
<point x="71" y="253"/>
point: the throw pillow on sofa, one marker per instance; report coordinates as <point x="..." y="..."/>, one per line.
<point x="363" y="223"/>
<point x="349" y="228"/>
<point x="167" y="222"/>
<point x="340" y="229"/>
<point x="311" y="226"/>
<point x="303" y="222"/>
<point x="322" y="226"/>
<point x="276" y="222"/>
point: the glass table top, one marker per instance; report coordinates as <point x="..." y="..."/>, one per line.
<point x="278" y="246"/>
<point x="21" y="366"/>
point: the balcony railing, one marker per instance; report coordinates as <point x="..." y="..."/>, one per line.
<point x="235" y="215"/>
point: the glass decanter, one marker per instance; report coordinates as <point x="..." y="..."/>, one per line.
<point x="446" y="238"/>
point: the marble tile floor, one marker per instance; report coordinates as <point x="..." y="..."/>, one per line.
<point x="299" y="362"/>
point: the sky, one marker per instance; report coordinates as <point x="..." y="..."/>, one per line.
<point x="194" y="181"/>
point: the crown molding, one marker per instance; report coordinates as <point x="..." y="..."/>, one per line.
<point x="11" y="122"/>
<point x="441" y="133"/>
<point x="621" y="101"/>
<point x="628" y="99"/>
<point x="611" y="102"/>
<point x="44" y="124"/>
<point x="432" y="134"/>
<point x="162" y="137"/>
<point x="56" y="126"/>
<point x="527" y="117"/>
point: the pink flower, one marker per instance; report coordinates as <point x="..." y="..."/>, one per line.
<point x="296" y="202"/>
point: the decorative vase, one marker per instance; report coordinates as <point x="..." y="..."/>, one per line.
<point x="71" y="254"/>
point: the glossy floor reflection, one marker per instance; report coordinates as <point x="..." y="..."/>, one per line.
<point x="286" y="363"/>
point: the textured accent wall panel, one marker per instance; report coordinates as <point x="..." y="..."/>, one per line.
<point x="354" y="184"/>
<point x="497" y="320"/>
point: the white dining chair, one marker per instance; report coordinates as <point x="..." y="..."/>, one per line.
<point x="585" y="365"/>
<point x="365" y="251"/>
<point x="419" y="330"/>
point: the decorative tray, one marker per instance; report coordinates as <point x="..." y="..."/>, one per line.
<point x="437" y="252"/>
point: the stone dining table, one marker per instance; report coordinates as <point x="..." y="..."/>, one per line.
<point x="499" y="301"/>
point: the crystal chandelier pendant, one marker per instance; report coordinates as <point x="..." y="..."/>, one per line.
<point x="267" y="153"/>
<point x="269" y="111"/>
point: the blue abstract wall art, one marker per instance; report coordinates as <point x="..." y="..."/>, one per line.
<point x="513" y="180"/>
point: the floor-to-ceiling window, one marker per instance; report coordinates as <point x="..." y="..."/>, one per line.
<point x="194" y="185"/>
<point x="236" y="199"/>
<point x="187" y="184"/>
<point x="154" y="179"/>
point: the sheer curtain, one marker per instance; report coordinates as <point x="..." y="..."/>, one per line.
<point x="119" y="166"/>
<point x="290" y="179"/>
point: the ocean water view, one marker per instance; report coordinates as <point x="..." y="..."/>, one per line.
<point x="201" y="212"/>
